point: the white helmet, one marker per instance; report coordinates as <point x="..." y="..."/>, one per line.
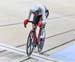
<point x="35" y="8"/>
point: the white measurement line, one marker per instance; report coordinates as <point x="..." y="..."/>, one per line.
<point x="23" y="52"/>
<point x="12" y="49"/>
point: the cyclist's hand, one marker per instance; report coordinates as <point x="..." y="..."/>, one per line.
<point x="25" y="22"/>
<point x="40" y="24"/>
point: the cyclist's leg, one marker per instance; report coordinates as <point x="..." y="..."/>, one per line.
<point x="36" y="19"/>
<point x="34" y="25"/>
<point x="41" y="38"/>
<point x="35" y="22"/>
<point x="43" y="33"/>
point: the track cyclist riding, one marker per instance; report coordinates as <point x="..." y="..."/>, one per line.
<point x="40" y="14"/>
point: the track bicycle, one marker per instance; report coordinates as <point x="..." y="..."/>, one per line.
<point x="33" y="41"/>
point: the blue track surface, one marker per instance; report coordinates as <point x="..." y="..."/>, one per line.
<point x="66" y="55"/>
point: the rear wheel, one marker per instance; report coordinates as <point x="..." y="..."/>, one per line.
<point x="30" y="44"/>
<point x="41" y="44"/>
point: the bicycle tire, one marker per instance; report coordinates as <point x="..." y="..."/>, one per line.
<point x="40" y="45"/>
<point x="30" y="44"/>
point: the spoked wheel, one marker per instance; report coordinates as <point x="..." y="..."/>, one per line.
<point x="30" y="44"/>
<point x="41" y="44"/>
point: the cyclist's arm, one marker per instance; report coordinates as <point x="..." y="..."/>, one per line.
<point x="43" y="15"/>
<point x="29" y="15"/>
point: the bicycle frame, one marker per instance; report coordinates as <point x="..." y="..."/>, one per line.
<point x="36" y="39"/>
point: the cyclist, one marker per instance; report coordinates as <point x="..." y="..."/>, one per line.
<point x="40" y="14"/>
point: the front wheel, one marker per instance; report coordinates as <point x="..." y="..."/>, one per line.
<point x="30" y="44"/>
